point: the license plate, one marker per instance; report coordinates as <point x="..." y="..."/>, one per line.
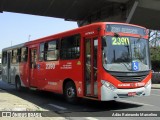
<point x="131" y="93"/>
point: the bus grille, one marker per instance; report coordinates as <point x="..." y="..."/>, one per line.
<point x="130" y="78"/>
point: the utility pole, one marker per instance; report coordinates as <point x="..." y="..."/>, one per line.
<point x="29" y="37"/>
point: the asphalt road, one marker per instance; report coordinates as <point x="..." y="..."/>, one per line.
<point x="88" y="109"/>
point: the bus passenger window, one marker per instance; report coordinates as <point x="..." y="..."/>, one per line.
<point x="14" y="56"/>
<point x="19" y="55"/>
<point x="33" y="58"/>
<point x="51" y="50"/>
<point x="24" y="54"/>
<point x="4" y="58"/>
<point x="70" y="47"/>
<point x="41" y="51"/>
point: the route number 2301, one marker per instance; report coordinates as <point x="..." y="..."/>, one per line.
<point x="120" y="41"/>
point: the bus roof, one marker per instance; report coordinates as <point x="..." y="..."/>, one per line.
<point x="67" y="32"/>
<point x="13" y="47"/>
<point x="79" y="29"/>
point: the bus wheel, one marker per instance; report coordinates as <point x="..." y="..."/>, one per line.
<point x="70" y="92"/>
<point x="18" y="84"/>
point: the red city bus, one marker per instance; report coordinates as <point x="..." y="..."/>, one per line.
<point x="101" y="61"/>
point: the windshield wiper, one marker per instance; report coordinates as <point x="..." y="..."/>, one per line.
<point x="128" y="67"/>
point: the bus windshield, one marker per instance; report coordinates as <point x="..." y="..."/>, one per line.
<point x="125" y="54"/>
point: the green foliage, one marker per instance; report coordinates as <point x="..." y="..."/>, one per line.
<point x="155" y="58"/>
<point x="155" y="53"/>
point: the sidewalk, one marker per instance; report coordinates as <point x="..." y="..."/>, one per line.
<point x="11" y="102"/>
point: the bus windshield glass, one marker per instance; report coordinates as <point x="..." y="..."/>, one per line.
<point x="125" y="54"/>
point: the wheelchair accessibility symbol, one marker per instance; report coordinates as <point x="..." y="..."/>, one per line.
<point x="135" y="66"/>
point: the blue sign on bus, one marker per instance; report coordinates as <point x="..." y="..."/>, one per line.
<point x="135" y="66"/>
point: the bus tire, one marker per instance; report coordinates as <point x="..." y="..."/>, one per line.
<point x="18" y="84"/>
<point x="70" y="92"/>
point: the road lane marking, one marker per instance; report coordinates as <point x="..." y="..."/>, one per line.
<point x="90" y="118"/>
<point x="56" y="106"/>
<point x="139" y="103"/>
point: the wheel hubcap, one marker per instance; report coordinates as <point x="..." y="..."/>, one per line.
<point x="70" y="92"/>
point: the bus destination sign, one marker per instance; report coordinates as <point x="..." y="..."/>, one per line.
<point x="116" y="28"/>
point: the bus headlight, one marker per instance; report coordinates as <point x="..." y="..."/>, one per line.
<point x="108" y="85"/>
<point x="148" y="83"/>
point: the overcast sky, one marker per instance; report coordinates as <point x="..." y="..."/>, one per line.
<point x="16" y="28"/>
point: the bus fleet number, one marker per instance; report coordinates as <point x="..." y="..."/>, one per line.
<point x="50" y="66"/>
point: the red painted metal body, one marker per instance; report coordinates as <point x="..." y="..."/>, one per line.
<point x="50" y="75"/>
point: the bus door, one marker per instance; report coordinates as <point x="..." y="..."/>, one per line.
<point x="9" y="67"/>
<point x="90" y="72"/>
<point x="33" y="67"/>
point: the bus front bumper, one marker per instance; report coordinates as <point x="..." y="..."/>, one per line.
<point x="108" y="94"/>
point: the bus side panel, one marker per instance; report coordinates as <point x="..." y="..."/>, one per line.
<point x="52" y="75"/>
<point x="4" y="73"/>
<point x="72" y="69"/>
<point x="23" y="74"/>
<point x="13" y="72"/>
<point x="41" y="81"/>
<point x="6" y="56"/>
